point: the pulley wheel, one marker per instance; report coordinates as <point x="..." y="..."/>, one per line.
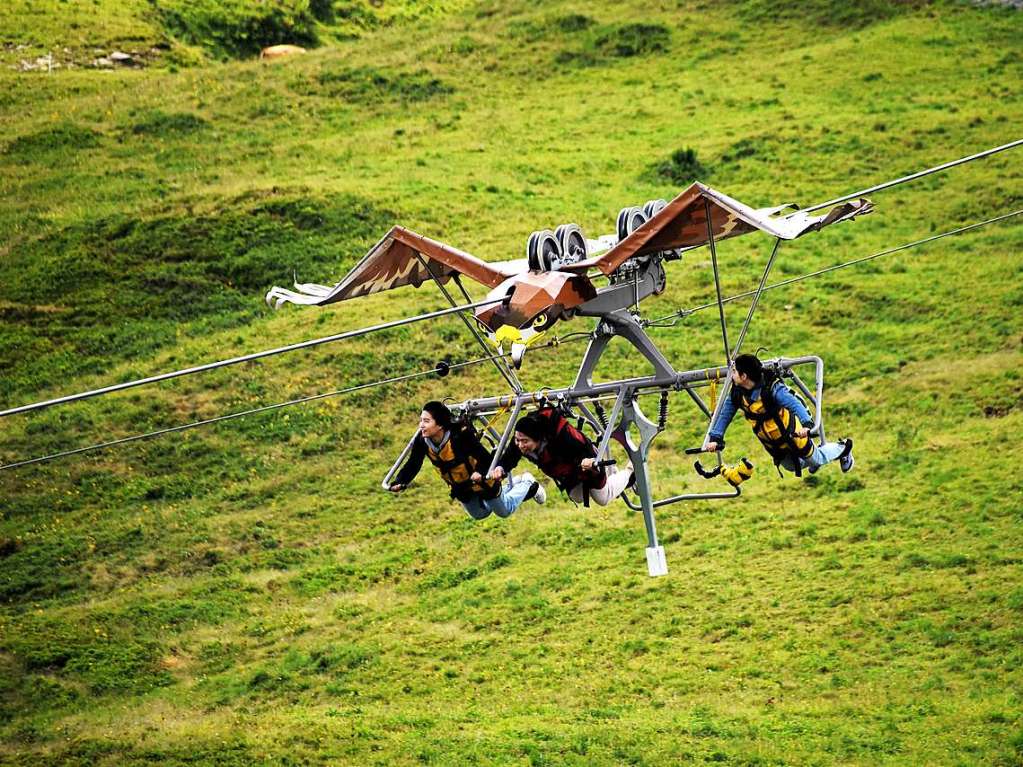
<point x="573" y="243"/>
<point x="653" y="207"/>
<point x="629" y="220"/>
<point x="542" y="250"/>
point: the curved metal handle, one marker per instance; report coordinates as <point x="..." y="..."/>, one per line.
<point x="386" y="484"/>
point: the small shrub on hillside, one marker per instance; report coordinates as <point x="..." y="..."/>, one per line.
<point x="464" y="46"/>
<point x="8" y="546"/>
<point x="757" y="147"/>
<point x="162" y="124"/>
<point x="368" y="84"/>
<point x="606" y="43"/>
<point x="323" y="10"/>
<point x="66" y="137"/>
<point x="682" y="168"/>
<point x="630" y="40"/>
<point x="573" y="22"/>
<point x="533" y="30"/>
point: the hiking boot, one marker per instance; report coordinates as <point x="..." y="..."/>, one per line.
<point x="846" y="460"/>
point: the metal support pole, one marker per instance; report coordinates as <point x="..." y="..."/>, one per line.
<point x="489" y="431"/>
<point x="717" y="280"/>
<point x="508" y="429"/>
<point x="725" y="392"/>
<point x="756" y="298"/>
<point x="602" y="335"/>
<point x="517" y="385"/>
<point x="656" y="563"/>
<point x="684" y="497"/>
<point x="612" y="420"/>
<point x="697" y="400"/>
<point x="595" y="424"/>
<point x="818" y="398"/>
<point x="622" y="324"/>
<point x="512" y="379"/>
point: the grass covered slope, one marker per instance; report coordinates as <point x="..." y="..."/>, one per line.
<point x="245" y="594"/>
<point x="76" y="33"/>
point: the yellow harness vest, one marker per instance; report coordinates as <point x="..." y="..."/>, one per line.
<point x="455" y="471"/>
<point x="775" y="426"/>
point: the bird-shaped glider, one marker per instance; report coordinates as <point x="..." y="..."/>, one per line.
<point x="553" y="282"/>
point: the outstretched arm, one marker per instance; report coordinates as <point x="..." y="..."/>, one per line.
<point x="412" y="466"/>
<point x="716" y="437"/>
<point x="510" y="459"/>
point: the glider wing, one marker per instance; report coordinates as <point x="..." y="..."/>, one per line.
<point x="682" y="224"/>
<point x="400" y="258"/>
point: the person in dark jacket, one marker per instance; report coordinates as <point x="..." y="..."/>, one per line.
<point x="565" y="455"/>
<point x="778" y="418"/>
<point x="461" y="459"/>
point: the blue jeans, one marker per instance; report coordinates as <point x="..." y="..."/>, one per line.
<point x="502" y="505"/>
<point x="821" y="455"/>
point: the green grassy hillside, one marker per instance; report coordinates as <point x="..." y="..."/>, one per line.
<point x="245" y="593"/>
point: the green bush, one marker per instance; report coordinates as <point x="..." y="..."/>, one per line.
<point x="368" y="85"/>
<point x="162" y="124"/>
<point x="233" y="28"/>
<point x="63" y="138"/>
<point x="630" y="40"/>
<point x="624" y="41"/>
<point x="682" y="168"/>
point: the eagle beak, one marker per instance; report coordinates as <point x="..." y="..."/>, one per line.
<point x="517" y="352"/>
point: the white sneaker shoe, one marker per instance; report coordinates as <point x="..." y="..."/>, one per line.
<point x="539" y="495"/>
<point x="846" y="460"/>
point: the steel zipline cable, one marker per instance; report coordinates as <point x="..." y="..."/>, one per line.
<point x="669" y="320"/>
<point x="248" y="357"/>
<point x="440" y="369"/>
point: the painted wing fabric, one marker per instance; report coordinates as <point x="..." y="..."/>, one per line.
<point x="400" y="258"/>
<point x="682" y="224"/>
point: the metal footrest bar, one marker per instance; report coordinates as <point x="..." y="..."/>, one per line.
<point x="683" y="497"/>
